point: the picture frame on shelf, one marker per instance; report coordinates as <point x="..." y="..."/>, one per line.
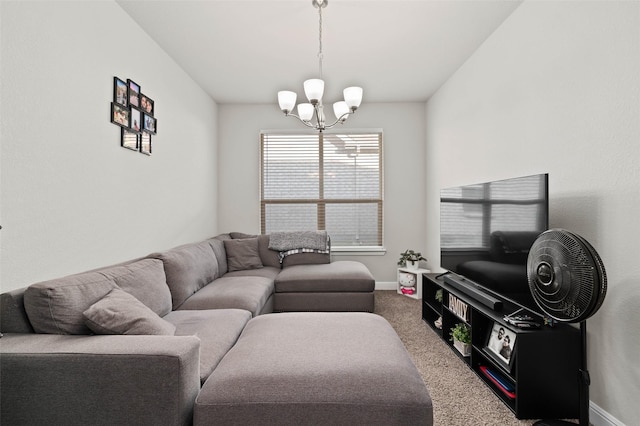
<point x="135" y="120"/>
<point x="500" y="345"/>
<point x="120" y="92"/>
<point x="145" y="143"/>
<point x="130" y="140"/>
<point x="149" y="124"/>
<point x="134" y="93"/>
<point x="120" y="115"/>
<point x="146" y="104"/>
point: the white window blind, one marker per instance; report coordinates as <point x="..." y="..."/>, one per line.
<point x="323" y="181"/>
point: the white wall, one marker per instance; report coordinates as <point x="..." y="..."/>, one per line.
<point x="403" y="144"/>
<point x="71" y="198"/>
<point x="556" y="89"/>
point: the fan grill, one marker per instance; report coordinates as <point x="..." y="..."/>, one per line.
<point x="566" y="276"/>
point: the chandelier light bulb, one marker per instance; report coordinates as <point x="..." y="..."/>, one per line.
<point x="287" y="100"/>
<point x="314" y="89"/>
<point x="305" y="111"/>
<point x="353" y="97"/>
<point x="340" y="109"/>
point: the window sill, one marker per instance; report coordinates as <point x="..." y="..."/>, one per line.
<point x="358" y="251"/>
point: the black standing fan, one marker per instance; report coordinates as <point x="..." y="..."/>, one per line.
<point x="568" y="282"/>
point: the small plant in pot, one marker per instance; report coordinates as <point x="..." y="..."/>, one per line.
<point x="461" y="338"/>
<point x="410" y="259"/>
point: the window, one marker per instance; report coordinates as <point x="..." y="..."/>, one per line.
<point x="323" y="181"/>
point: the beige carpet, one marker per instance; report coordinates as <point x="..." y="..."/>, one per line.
<point x="459" y="396"/>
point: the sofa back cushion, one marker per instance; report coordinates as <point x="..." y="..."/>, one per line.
<point x="56" y="306"/>
<point x="305" y="258"/>
<point x="13" y="317"/>
<point x="269" y="257"/>
<point x="146" y="281"/>
<point x="217" y="244"/>
<point x="188" y="268"/>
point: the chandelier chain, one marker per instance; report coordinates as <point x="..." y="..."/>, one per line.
<point x="320" y="40"/>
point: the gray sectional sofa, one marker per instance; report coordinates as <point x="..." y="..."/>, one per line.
<point x="134" y="343"/>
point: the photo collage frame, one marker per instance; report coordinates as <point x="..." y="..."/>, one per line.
<point x="134" y="112"/>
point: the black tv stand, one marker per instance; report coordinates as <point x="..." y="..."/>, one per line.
<point x="540" y="382"/>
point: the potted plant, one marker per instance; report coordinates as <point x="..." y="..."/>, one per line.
<point x="461" y="337"/>
<point x="410" y="259"/>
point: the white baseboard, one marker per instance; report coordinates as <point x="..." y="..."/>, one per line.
<point x="599" y="417"/>
<point x="390" y="285"/>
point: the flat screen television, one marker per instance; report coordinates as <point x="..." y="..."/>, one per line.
<point x="487" y="229"/>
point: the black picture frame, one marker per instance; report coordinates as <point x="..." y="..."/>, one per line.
<point x="149" y="124"/>
<point x="145" y="143"/>
<point x="120" y="115"/>
<point x="135" y="120"/>
<point x="134" y="93"/>
<point x="130" y="140"/>
<point x="503" y="354"/>
<point x="120" y="92"/>
<point x="146" y="104"/>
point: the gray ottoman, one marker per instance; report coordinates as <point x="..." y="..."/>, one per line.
<point x="315" y="369"/>
<point x="341" y="286"/>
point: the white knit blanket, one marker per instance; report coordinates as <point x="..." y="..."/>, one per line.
<point x="283" y="241"/>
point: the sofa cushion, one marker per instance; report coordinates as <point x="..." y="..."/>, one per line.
<point x="118" y="312"/>
<point x="243" y="292"/>
<point x="340" y="276"/>
<point x="242" y="254"/>
<point x="217" y="329"/>
<point x="56" y="306"/>
<point x="217" y="244"/>
<point x="267" y="272"/>
<point x="146" y="281"/>
<point x="269" y="257"/>
<point x="306" y="258"/>
<point x="241" y="235"/>
<point x="188" y="268"/>
<point x="13" y="317"/>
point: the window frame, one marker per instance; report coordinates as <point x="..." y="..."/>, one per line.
<point x="323" y="202"/>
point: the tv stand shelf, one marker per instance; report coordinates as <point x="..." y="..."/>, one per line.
<point x="541" y="381"/>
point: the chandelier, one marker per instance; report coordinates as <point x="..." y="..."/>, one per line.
<point x="314" y="89"/>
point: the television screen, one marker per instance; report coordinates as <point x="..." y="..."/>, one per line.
<point x="487" y="229"/>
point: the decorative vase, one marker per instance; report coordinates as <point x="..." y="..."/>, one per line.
<point x="412" y="265"/>
<point x="463" y="348"/>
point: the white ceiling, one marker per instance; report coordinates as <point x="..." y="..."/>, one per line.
<point x="244" y="51"/>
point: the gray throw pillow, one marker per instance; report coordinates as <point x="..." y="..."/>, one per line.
<point x="121" y="313"/>
<point x="242" y="254"/>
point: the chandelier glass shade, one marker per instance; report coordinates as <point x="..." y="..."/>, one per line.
<point x="312" y="113"/>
